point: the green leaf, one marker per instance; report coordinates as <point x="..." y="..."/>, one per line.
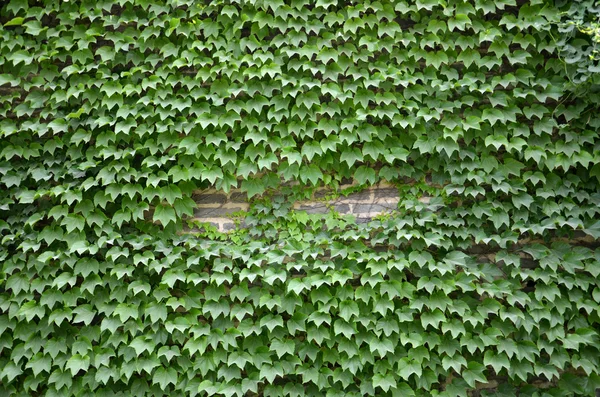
<point x="508" y="346"/>
<point x="84" y="314"/>
<point x="310" y="149"/>
<point x="126" y="311"/>
<point x="407" y="367"/>
<point x="389" y="173"/>
<point x="374" y="149"/>
<point x="496" y="361"/>
<point x="15" y="21"/>
<point x="458" y="22"/>
<point x="522" y="200"/>
<point x="397" y="153"/>
<point x="142" y="344"/>
<point x="311" y="173"/>
<point x="34" y="28"/>
<point x="60" y="379"/>
<point x="184" y="206"/>
<point x="10" y="371"/>
<point x="384" y="381"/>
<point x="282" y="348"/>
<point x="365" y="175"/>
<point x="18" y="282"/>
<point x="156" y="312"/>
<point x="432" y="318"/>
<point x="593" y="230"/>
<point x="171" y="193"/>
<point x="120" y="217"/>
<point x="253" y="187"/>
<point x="351" y="156"/>
<point x="30" y="310"/>
<point x="39" y="363"/>
<point x="77" y="363"/>
<point x="246" y="167"/>
<point x="73" y="222"/>
<point x="471" y="122"/>
<point x="474" y="373"/>
<point x="436" y="58"/>
<point x="469" y="57"/>
<point x="213" y="174"/>
<point x="455" y="362"/>
<point x="164" y="377"/>
<point x="497" y="141"/>
<point x="348" y="309"/>
<point x="493" y="116"/>
<point x="164" y="214"/>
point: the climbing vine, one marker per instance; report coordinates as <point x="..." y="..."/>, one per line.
<point x="114" y="113"/>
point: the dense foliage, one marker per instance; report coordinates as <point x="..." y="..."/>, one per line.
<point x="580" y="18"/>
<point x="114" y="112"/>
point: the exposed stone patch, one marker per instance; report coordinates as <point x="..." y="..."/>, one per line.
<point x="211" y="198"/>
<point x="371" y="208"/>
<point x="217" y="207"/>
<point x="208" y="212"/>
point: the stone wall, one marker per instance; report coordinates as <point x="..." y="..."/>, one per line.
<point x="218" y="208"/>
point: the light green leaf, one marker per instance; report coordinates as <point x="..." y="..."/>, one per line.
<point x="253" y="187"/>
<point x="77" y="363"/>
<point x="311" y="173"/>
<point x="384" y="381"/>
<point x="15" y="21"/>
<point x="164" y="214"/>
<point x="165" y="377"/>
<point x="365" y="175"/>
<point x="474" y="373"/>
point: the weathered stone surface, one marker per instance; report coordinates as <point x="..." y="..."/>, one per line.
<point x="314" y="209"/>
<point x="203" y="212"/>
<point x="388" y="193"/>
<point x="323" y="209"/>
<point x="211" y="198"/>
<point x="342" y="208"/>
<point x="372" y="208"/>
<point x="229" y="226"/>
<point x="216" y="207"/>
<point x="319" y="194"/>
<point x="238" y="197"/>
<point x="365" y="195"/>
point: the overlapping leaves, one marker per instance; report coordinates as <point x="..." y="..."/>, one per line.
<point x="114" y="113"/>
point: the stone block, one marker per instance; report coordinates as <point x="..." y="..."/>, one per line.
<point x="372" y="208"/>
<point x="238" y="197"/>
<point x="365" y="195"/>
<point x="320" y="208"/>
<point x="386" y="193"/>
<point x="314" y="209"/>
<point x="214" y="212"/>
<point x="210" y="198"/>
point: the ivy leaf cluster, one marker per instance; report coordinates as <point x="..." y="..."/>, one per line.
<point x="113" y="114"/>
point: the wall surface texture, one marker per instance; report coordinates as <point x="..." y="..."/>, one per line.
<point x="219" y="209"/>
